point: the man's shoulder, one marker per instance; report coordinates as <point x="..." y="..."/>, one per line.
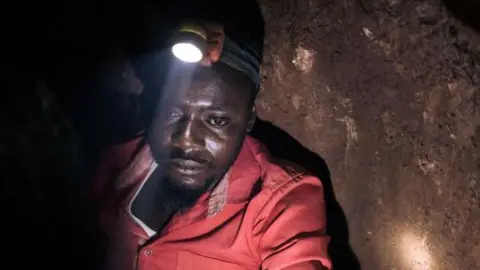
<point x="287" y="192"/>
<point x="281" y="172"/>
<point x="278" y="176"/>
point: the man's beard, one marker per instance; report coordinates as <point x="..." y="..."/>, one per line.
<point x="160" y="198"/>
<point x="173" y="196"/>
<point x="180" y="198"/>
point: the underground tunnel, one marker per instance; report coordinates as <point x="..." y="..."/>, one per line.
<point x="379" y="99"/>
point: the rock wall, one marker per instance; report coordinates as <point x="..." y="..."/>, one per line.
<point x="385" y="91"/>
<point x="388" y="93"/>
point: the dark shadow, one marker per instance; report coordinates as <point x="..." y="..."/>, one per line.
<point x="282" y="145"/>
<point x="465" y="10"/>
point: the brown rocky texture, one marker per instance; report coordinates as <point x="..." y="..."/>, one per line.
<point x="387" y="92"/>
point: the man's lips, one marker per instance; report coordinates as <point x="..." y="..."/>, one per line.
<point x="187" y="166"/>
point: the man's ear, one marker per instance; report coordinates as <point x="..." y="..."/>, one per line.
<point x="253" y="117"/>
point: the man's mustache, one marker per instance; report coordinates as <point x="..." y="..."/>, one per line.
<point x="197" y="156"/>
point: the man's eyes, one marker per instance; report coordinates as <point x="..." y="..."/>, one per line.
<point x="218" y="121"/>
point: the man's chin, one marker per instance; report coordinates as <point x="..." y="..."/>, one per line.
<point x="187" y="181"/>
<point x="184" y="191"/>
<point x="187" y="185"/>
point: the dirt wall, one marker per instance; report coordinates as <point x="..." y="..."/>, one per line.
<point x="387" y="92"/>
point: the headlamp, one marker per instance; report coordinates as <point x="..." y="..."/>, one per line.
<point x="190" y="43"/>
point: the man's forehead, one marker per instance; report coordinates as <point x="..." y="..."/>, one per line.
<point x="211" y="93"/>
<point x="222" y="73"/>
<point x="215" y="84"/>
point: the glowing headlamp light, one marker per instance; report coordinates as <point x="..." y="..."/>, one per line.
<point x="190" y="43"/>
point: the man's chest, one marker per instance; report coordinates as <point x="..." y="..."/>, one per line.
<point x="213" y="243"/>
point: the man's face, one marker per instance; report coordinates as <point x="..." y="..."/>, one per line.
<point x="200" y="127"/>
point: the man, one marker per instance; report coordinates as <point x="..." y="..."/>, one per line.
<point x="201" y="193"/>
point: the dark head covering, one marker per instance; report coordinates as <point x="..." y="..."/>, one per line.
<point x="244" y="29"/>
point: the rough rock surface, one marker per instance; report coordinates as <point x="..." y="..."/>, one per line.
<point x="387" y="92"/>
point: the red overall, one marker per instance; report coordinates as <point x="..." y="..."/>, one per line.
<point x="264" y="214"/>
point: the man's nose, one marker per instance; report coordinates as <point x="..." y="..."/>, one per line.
<point x="188" y="135"/>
